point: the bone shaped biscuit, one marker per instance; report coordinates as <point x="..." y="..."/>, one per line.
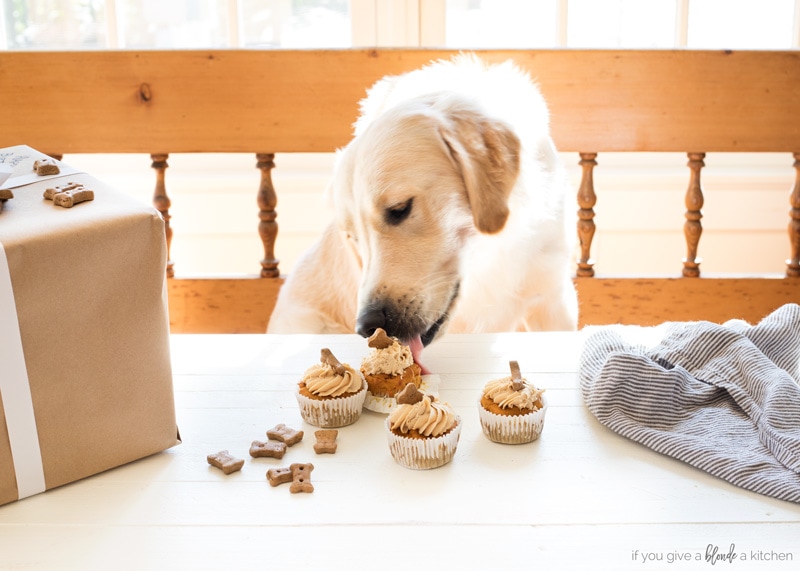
<point x="409" y="395"/>
<point x="379" y="340"/>
<point x="301" y="478"/>
<point x="326" y="356"/>
<point x="268" y="449"/>
<point x="68" y="195"/>
<point x="46" y="166"/>
<point x="517" y="382"/>
<point x="326" y="441"/>
<point x="298" y="474"/>
<point x="225" y="462"/>
<point x="278" y="476"/>
<point x="285" y="434"/>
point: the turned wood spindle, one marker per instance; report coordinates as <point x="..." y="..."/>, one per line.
<point x="793" y="263"/>
<point x="692" y="228"/>
<point x="586" y="227"/>
<point x="162" y="203"/>
<point x="267" y="227"/>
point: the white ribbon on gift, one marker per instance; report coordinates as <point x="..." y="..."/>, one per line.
<point x="16" y="392"/>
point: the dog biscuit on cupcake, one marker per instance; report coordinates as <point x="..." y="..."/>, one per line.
<point x="388" y="368"/>
<point x="511" y="409"/>
<point x="423" y="432"/>
<point x="331" y="394"/>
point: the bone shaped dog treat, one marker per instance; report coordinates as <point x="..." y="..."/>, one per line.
<point x="298" y="474"/>
<point x="409" y="395"/>
<point x="225" y="462"/>
<point x="379" y="340"/>
<point x="327" y="358"/>
<point x="268" y="449"/>
<point x="68" y="195"/>
<point x="278" y="476"/>
<point x="301" y="478"/>
<point x="46" y="166"/>
<point x="50" y="192"/>
<point x="287" y="435"/>
<point x="326" y="441"/>
<point x="517" y="382"/>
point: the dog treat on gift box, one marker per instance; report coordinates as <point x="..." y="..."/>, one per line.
<point x="46" y="166"/>
<point x="285" y="434"/>
<point x="68" y="195"/>
<point x="268" y="449"/>
<point x="225" y="462"/>
<point x="326" y="441"/>
<point x="5" y="194"/>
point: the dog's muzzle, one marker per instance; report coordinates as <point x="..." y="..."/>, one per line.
<point x="398" y="322"/>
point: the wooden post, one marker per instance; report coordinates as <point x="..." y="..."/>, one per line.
<point x="162" y="203"/>
<point x="692" y="228"/>
<point x="586" y="227"/>
<point x="793" y="263"/>
<point x="267" y="227"/>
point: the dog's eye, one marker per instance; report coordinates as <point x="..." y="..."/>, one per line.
<point x="399" y="212"/>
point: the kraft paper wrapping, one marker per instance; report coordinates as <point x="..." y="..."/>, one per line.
<point x="90" y="294"/>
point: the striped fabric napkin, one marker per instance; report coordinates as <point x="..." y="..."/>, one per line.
<point x="722" y="398"/>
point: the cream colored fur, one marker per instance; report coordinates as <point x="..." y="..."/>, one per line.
<point x="486" y="244"/>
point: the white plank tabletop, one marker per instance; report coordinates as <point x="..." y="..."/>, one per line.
<point x="581" y="497"/>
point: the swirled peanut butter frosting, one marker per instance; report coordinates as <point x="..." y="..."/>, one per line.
<point x="502" y="393"/>
<point x="426" y="417"/>
<point x="391" y="360"/>
<point x="323" y="380"/>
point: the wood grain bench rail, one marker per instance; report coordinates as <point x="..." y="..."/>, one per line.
<point x="266" y="102"/>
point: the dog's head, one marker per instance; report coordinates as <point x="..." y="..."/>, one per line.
<point x="409" y="191"/>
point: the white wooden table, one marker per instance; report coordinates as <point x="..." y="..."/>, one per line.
<point x="579" y="498"/>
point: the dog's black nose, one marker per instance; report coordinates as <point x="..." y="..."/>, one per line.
<point x="370" y="318"/>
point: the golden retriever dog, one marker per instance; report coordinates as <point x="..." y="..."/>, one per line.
<point x="448" y="214"/>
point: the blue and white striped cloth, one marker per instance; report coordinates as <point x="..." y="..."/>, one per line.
<point x="722" y="398"/>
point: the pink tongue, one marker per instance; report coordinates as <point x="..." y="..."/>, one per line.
<point x="416" y="347"/>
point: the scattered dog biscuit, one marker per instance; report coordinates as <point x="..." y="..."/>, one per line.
<point x="285" y="434"/>
<point x="278" y="476"/>
<point x="268" y="449"/>
<point x="225" y="462"/>
<point x="298" y="474"/>
<point x="326" y="441"/>
<point x="46" y="166"/>
<point x="68" y="195"/>
<point x="301" y="478"/>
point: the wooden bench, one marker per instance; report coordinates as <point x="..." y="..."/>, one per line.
<point x="266" y="102"/>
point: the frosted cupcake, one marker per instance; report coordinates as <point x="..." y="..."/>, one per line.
<point x="511" y="409"/>
<point x="331" y="394"/>
<point x="422" y="432"/>
<point x="387" y="368"/>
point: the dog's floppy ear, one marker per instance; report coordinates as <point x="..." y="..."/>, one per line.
<point x="487" y="152"/>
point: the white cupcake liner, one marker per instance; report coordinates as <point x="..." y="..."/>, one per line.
<point x="332" y="412"/>
<point x="516" y="429"/>
<point x="375" y="403"/>
<point x="423" y="453"/>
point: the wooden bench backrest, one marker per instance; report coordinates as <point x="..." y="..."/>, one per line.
<point x="306" y="101"/>
<point x="160" y="102"/>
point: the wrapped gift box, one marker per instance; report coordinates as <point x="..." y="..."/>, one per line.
<point x="85" y="375"/>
